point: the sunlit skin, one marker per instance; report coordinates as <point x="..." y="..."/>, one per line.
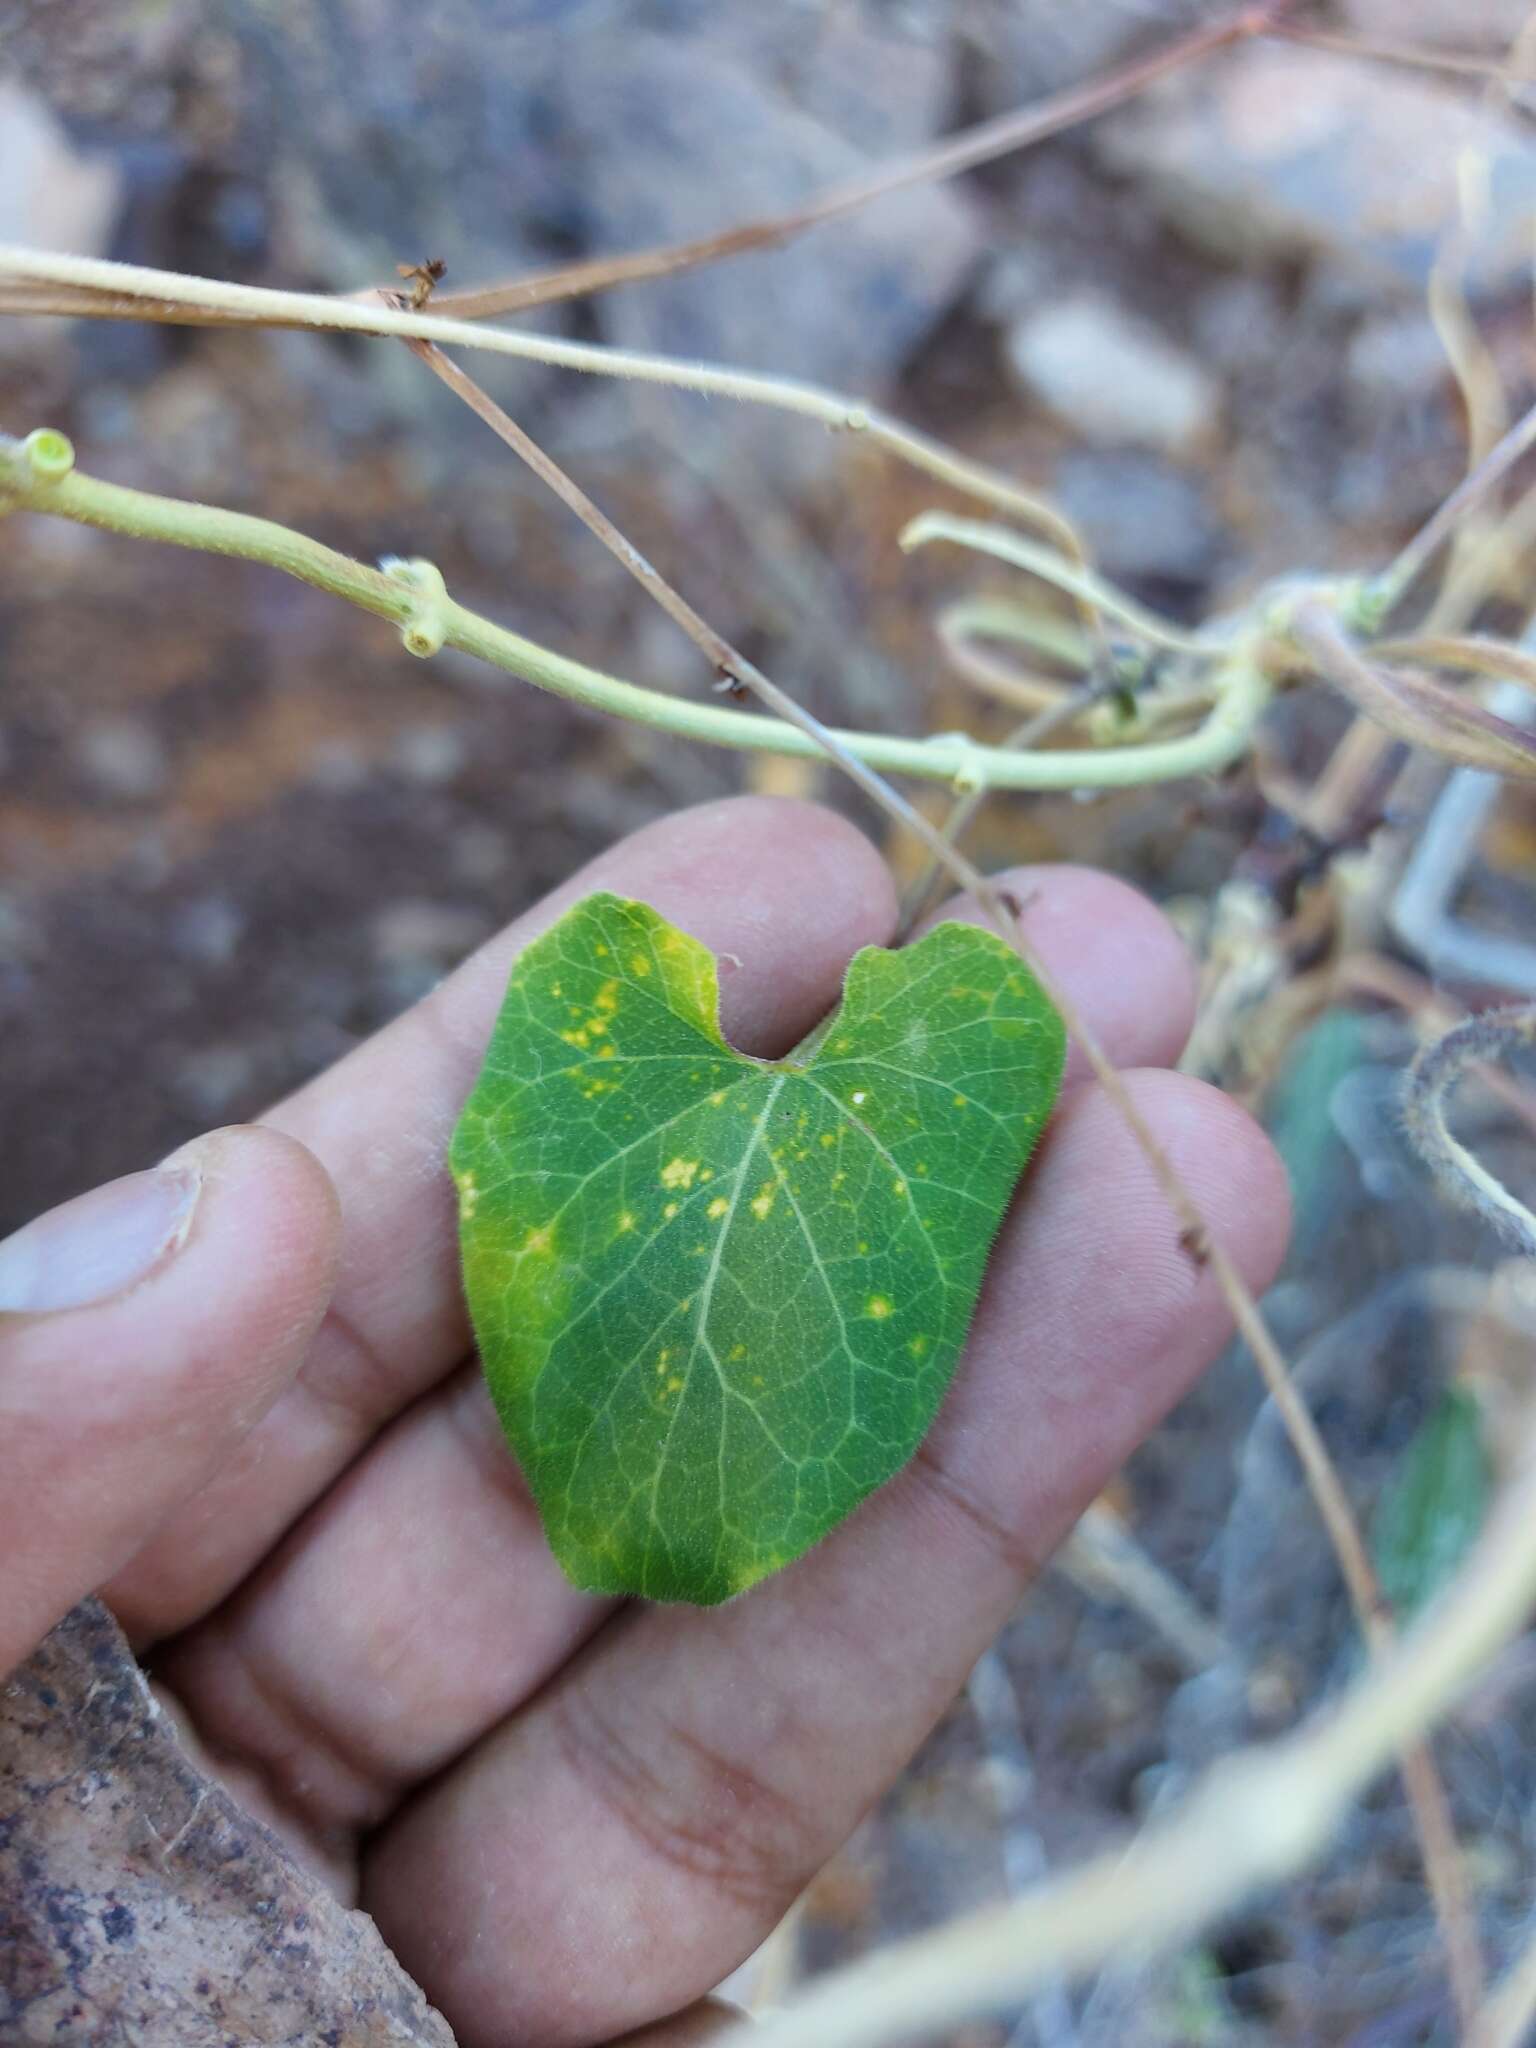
<point x="277" y="1454"/>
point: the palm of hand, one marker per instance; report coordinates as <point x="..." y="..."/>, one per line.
<point x="570" y="1818"/>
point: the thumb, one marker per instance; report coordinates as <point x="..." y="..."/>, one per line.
<point x="144" y="1327"/>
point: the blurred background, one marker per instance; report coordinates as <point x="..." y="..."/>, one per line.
<point x="240" y="828"/>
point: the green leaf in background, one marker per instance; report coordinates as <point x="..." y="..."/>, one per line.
<point x="719" y="1299"/>
<point x="1299" y="1117"/>
<point x="1432" y="1508"/>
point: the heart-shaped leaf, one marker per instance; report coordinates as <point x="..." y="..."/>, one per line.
<point x="719" y="1299"/>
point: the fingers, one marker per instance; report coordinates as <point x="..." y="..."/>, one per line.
<point x="782" y="892"/>
<point x="668" y="1794"/>
<point x="430" y="1641"/>
<point x="144" y="1328"/>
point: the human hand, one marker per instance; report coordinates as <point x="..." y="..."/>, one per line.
<point x="235" y="1394"/>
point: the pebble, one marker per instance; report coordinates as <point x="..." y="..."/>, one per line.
<point x="52" y="196"/>
<point x="1277" y="152"/>
<point x="1111" y="376"/>
<point x="123" y="758"/>
<point x="1140" y="516"/>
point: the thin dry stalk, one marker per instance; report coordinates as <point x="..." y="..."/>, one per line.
<point x="1457" y="63"/>
<point x="964" y="152"/>
<point x="1412" y="560"/>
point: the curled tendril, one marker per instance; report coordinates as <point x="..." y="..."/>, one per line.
<point x="1459" y="1175"/>
<point x="50" y="454"/>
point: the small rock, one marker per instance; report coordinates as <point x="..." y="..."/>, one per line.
<point x="431" y="935"/>
<point x="1396" y="357"/>
<point x="210" y="1081"/>
<point x="52" y="196"/>
<point x="124" y="759"/>
<point x="1034" y="47"/>
<point x="1140" y="517"/>
<point x="1014" y="282"/>
<point x="1279" y="152"/>
<point x="1237" y="320"/>
<point x="480" y="854"/>
<point x="208" y="930"/>
<point x="432" y="754"/>
<point x="1111" y="376"/>
<point x="666" y="141"/>
<point x="1490" y="25"/>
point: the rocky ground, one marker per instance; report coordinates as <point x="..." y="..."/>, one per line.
<point x="239" y="828"/>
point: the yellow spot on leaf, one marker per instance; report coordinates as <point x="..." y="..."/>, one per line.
<point x="899" y="1187"/>
<point x="607" y="1052"/>
<point x="469" y="1195"/>
<point x="539" y="1243"/>
<point x="674" y="1385"/>
<point x="738" y="1351"/>
<point x="829" y="1137"/>
<point x="962" y="1102"/>
<point x="670" y="1211"/>
<point x="877" y="1306"/>
<point x="718" y="1207"/>
<point x="639" y="965"/>
<point x="918" y="1346"/>
<point x="626" y="1220"/>
<point x="762" y="1201"/>
<point x="679" y="1173"/>
<point x="717" y="1098"/>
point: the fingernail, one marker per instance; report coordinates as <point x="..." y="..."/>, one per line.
<point x="93" y="1247"/>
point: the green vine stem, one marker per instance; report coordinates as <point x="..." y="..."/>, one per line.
<point x="43" y="280"/>
<point x="1083" y="584"/>
<point x="38" y="475"/>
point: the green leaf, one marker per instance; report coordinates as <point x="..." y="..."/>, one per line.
<point x="1432" y="1509"/>
<point x="719" y="1299"/>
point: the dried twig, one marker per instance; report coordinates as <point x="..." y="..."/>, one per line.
<point x="1496" y="70"/>
<point x="1003" y="136"/>
<point x="1411" y="561"/>
<point x="1411" y="707"/>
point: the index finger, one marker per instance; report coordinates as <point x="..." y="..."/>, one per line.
<point x="783" y="892"/>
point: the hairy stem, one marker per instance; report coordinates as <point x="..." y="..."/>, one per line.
<point x="957" y="760"/>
